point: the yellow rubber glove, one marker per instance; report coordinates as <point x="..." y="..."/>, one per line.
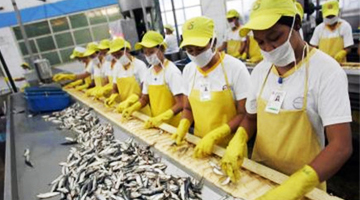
<point x="340" y="56"/>
<point x="62" y="77"/>
<point x="156" y="121"/>
<point x="299" y="184"/>
<point x="255" y="59"/>
<point x="127" y="103"/>
<point x="126" y="114"/>
<point x="103" y="91"/>
<point x="74" y="84"/>
<point x="90" y="91"/>
<point x="181" y="131"/>
<point x="56" y="77"/>
<point x="82" y="87"/>
<point x="110" y="102"/>
<point x="243" y="56"/>
<point x="234" y="155"/>
<point x="205" y="146"/>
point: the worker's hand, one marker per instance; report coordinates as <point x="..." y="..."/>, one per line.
<point x="110" y="102"/>
<point x="234" y="155"/>
<point x="82" y="87"/>
<point x="103" y="91"/>
<point x="90" y="91"/>
<point x="300" y="183"/>
<point x="126" y="114"/>
<point x="127" y="103"/>
<point x="255" y="59"/>
<point x="205" y="146"/>
<point x="181" y="131"/>
<point x="62" y="77"/>
<point x="243" y="56"/>
<point x="74" y="84"/>
<point x="340" y="56"/>
<point x="156" y="121"/>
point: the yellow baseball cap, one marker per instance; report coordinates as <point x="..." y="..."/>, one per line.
<point x="104" y="44"/>
<point x="232" y="13"/>
<point x="78" y="52"/>
<point x="330" y="8"/>
<point x="300" y="10"/>
<point x="197" y="31"/>
<point x="150" y="39"/>
<point x="265" y="13"/>
<point x="91" y="48"/>
<point x="168" y="26"/>
<point x="117" y="44"/>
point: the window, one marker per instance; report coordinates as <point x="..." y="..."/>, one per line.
<point x="184" y="10"/>
<point x="55" y="38"/>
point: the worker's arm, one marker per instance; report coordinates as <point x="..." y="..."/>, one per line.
<point x="178" y="106"/>
<point x="82" y="76"/>
<point x="240" y="113"/>
<point x="187" y="111"/>
<point x="223" y="46"/>
<point x="114" y="89"/>
<point x="249" y="123"/>
<point x="144" y="100"/>
<point x="336" y="153"/>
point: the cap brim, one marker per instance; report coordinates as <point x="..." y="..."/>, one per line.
<point x="262" y="22"/>
<point x="88" y="53"/>
<point x="330" y="12"/>
<point x="114" y="50"/>
<point x="103" y="47"/>
<point x="195" y="41"/>
<point x="230" y="16"/>
<point x="72" y="56"/>
<point x="140" y="45"/>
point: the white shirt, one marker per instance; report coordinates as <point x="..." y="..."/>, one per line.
<point x="138" y="69"/>
<point x="94" y="68"/>
<point x="344" y="30"/>
<point x="106" y="68"/>
<point x="171" y="43"/>
<point x="327" y="99"/>
<point x="233" y="35"/>
<point x="173" y="79"/>
<point x="236" y="72"/>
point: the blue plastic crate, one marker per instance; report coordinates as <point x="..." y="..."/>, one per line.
<point x="46" y="99"/>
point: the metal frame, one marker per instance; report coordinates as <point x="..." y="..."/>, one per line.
<point x="70" y="30"/>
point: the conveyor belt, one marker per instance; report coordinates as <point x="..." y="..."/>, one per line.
<point x="255" y="180"/>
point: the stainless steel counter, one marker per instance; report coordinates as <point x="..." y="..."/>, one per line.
<point x="43" y="140"/>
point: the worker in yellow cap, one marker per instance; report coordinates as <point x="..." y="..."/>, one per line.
<point x="216" y="86"/>
<point x="170" y="40"/>
<point x="297" y="94"/>
<point x="128" y="77"/>
<point x="163" y="84"/>
<point x="78" y="79"/>
<point x="233" y="43"/>
<point x="107" y="62"/>
<point x="252" y="49"/>
<point x="334" y="35"/>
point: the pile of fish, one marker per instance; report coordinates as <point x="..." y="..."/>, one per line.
<point x="100" y="167"/>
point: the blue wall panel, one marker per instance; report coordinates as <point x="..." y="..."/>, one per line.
<point x="52" y="10"/>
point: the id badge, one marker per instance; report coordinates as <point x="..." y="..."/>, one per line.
<point x="275" y="101"/>
<point x="205" y="94"/>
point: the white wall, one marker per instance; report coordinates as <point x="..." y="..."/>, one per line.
<point x="21" y="4"/>
<point x="216" y="10"/>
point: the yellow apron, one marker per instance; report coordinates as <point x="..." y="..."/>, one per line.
<point x="333" y="45"/>
<point x="88" y="80"/>
<point x="161" y="99"/>
<point x="233" y="46"/>
<point x="209" y="115"/>
<point x="128" y="86"/>
<point x="254" y="49"/>
<point x="285" y="141"/>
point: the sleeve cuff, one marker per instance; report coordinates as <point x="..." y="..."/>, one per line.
<point x="337" y="120"/>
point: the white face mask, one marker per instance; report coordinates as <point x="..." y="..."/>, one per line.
<point x="96" y="60"/>
<point x="203" y="58"/>
<point x="283" y="54"/>
<point x="124" y="60"/>
<point x="153" y="59"/>
<point x="232" y="24"/>
<point x="331" y="21"/>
